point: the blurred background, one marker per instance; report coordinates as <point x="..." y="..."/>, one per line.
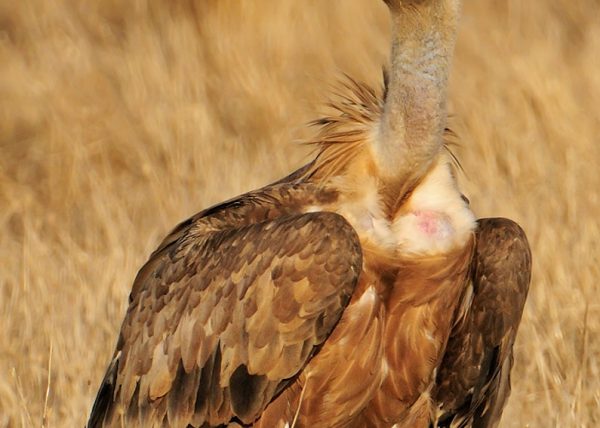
<point x="118" y="119"/>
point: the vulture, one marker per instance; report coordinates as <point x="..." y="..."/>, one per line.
<point x="359" y="291"/>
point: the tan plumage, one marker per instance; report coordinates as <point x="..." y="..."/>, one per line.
<point x="351" y="293"/>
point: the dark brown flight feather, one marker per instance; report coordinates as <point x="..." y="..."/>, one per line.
<point x="473" y="382"/>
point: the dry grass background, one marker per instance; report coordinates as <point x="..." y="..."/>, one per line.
<point x="120" y="118"/>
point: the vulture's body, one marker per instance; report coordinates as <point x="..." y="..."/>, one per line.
<point x="360" y="291"/>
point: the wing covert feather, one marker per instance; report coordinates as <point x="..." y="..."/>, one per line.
<point x="473" y="381"/>
<point x="219" y="321"/>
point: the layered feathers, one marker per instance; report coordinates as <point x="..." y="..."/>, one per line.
<point x="236" y="301"/>
<point x="218" y="304"/>
<point x="274" y="309"/>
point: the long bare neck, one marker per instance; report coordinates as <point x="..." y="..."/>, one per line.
<point x="414" y="116"/>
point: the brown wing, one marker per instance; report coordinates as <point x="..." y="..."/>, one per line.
<point x="223" y="315"/>
<point x="473" y="381"/>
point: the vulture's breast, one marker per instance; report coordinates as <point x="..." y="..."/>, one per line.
<point x="376" y="367"/>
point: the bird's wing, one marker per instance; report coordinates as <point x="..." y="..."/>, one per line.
<point x="473" y="381"/>
<point x="221" y="318"/>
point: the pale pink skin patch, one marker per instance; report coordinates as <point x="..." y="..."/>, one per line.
<point x="433" y="223"/>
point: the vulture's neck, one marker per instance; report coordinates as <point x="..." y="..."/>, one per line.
<point x="414" y="117"/>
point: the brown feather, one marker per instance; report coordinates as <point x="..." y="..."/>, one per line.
<point x="179" y="335"/>
<point x="473" y="382"/>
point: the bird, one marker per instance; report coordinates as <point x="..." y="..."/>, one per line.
<point x="358" y="291"/>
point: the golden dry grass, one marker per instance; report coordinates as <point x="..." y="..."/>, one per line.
<point x="118" y="119"/>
